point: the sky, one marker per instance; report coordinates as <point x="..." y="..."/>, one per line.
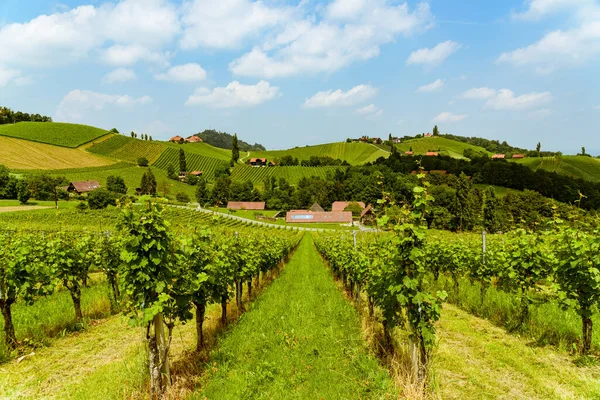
<point x="291" y="73"/>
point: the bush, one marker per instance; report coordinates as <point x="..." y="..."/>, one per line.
<point x="142" y="162"/>
<point x="100" y="198"/>
<point x="192" y="180"/>
<point x="182" y="197"/>
<point x="116" y="184"/>
<point x="81" y="206"/>
<point x="23" y="193"/>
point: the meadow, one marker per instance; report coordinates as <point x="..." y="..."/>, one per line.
<point x="128" y="149"/>
<point x="581" y="167"/>
<point x="55" y="133"/>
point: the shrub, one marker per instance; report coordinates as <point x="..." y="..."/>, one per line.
<point x="182" y="197"/>
<point x="142" y="162"/>
<point x="100" y="198"/>
<point x="23" y="193"/>
<point x="116" y="184"/>
<point x="81" y="206"/>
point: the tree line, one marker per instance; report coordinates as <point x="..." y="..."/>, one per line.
<point x="8" y="116"/>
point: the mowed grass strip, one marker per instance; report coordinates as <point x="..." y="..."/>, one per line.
<point x="56" y="133"/>
<point x="24" y="155"/>
<point x="300" y="340"/>
<point x="477" y="360"/>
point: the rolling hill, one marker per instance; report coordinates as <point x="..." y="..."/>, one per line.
<point x="128" y="149"/>
<point x="574" y="166"/>
<point x="292" y="174"/>
<point x="194" y="161"/>
<point x="56" y="133"/>
<point x="354" y="153"/>
<point x="447" y="147"/>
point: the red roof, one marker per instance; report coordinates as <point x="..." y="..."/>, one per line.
<point x="197" y="173"/>
<point x="252" y="160"/>
<point x="307" y="216"/>
<point x="246" y="205"/>
<point x="497" y="156"/>
<point x="366" y="210"/>
<point x="194" y="139"/>
<point x="341" y="205"/>
<point x="409" y="153"/>
<point x="432" y="154"/>
<point x="83" y="187"/>
<point x="176" y="139"/>
<point x="518" y="156"/>
<point x="428" y="135"/>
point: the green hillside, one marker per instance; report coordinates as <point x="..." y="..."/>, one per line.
<point x="56" y="133"/>
<point x="194" y="161"/>
<point x="573" y="166"/>
<point x="128" y="149"/>
<point x="355" y="153"/>
<point x="292" y="174"/>
<point x="203" y="149"/>
<point x="447" y="147"/>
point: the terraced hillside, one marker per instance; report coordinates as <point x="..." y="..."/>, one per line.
<point x="447" y="147"/>
<point x="25" y="154"/>
<point x="354" y="153"/>
<point x="574" y="166"/>
<point x="128" y="149"/>
<point x="204" y="149"/>
<point x="56" y="133"/>
<point x="195" y="162"/>
<point x="292" y="174"/>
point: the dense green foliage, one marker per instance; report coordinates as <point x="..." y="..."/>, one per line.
<point x="55" y="133"/>
<point x="8" y="116"/>
<point x="224" y="140"/>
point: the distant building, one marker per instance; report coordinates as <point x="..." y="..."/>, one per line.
<point x="518" y="156"/>
<point x="428" y="135"/>
<point x="368" y="217"/>
<point x="194" y="139"/>
<point x="258" y="162"/>
<point x="197" y="173"/>
<point x="82" y="187"/>
<point x="409" y="153"/>
<point x="341" y="205"/>
<point x="177" y="139"/>
<point x="342" y="217"/>
<point x="498" y="157"/>
<point x="432" y="154"/>
<point x="246" y="205"/>
<point x="376" y="140"/>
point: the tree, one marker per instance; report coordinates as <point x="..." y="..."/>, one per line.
<point x="163" y="187"/>
<point x="202" y="196"/>
<point x="171" y="174"/>
<point x="182" y="197"/>
<point x="191" y="180"/>
<point x="142" y="162"/>
<point x="464" y="201"/>
<point x="355" y="208"/>
<point x="538" y="148"/>
<point x="235" y="150"/>
<point x="132" y="134"/>
<point x="100" y="198"/>
<point x="583" y="151"/>
<point x="150" y="138"/>
<point x="116" y="184"/>
<point x="182" y="162"/>
<point x="148" y="184"/>
<point x="23" y="192"/>
<point x="410" y="148"/>
<point x="221" y="190"/>
<point x="490" y="210"/>
<point x="436" y="131"/>
<point x="114" y="130"/>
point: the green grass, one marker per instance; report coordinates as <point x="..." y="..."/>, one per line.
<point x="194" y="162"/>
<point x="56" y="133"/>
<point x="582" y="167"/>
<point x="446" y="147"/>
<point x="355" y="153"/>
<point x="300" y="340"/>
<point x="250" y="214"/>
<point x="62" y="204"/>
<point x="293" y="175"/>
<point x="204" y="149"/>
<point x="128" y="149"/>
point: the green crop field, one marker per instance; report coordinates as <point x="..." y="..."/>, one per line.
<point x="354" y="153"/>
<point x="573" y="166"/>
<point x="204" y="149"/>
<point x="446" y="147"/>
<point x="292" y="174"/>
<point x="195" y="162"/>
<point x="56" y="133"/>
<point x="128" y="149"/>
<point x="26" y="155"/>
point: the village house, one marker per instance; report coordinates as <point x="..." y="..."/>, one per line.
<point x="246" y="205"/>
<point x="432" y="154"/>
<point x="258" y="162"/>
<point x="194" y="139"/>
<point x="82" y="187"/>
<point x="197" y="173"/>
<point x="376" y="140"/>
<point x="409" y="153"/>
<point x="498" y="157"/>
<point x="368" y="217"/>
<point x="518" y="156"/>
<point x="428" y="135"/>
<point x="341" y="205"/>
<point x="177" y="139"/>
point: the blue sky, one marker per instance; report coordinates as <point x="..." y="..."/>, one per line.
<point x="291" y="73"/>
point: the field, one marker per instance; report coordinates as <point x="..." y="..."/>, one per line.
<point x="446" y="147"/>
<point x="56" y="133"/>
<point x="355" y="153"/>
<point x="27" y="155"/>
<point x="581" y="167"/>
<point x="194" y="162"/>
<point x="204" y="149"/>
<point x="128" y="149"/>
<point x="293" y="174"/>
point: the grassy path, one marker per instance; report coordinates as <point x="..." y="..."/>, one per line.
<point x="300" y="340"/>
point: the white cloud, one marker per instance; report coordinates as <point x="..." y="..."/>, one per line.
<point x="435" y="55"/>
<point x="541" y="8"/>
<point x="449" y="117"/>
<point x="434" y="86"/>
<point x="183" y="73"/>
<point x="370" y="110"/>
<point x="336" y="98"/>
<point x="234" y="94"/>
<point x="120" y="75"/>
<point x="478" y="93"/>
<point x="312" y="45"/>
<point x="8" y="75"/>
<point x="65" y="37"/>
<point x="78" y="104"/>
<point x="128" y="55"/>
<point x="506" y="100"/>
<point x="225" y="24"/>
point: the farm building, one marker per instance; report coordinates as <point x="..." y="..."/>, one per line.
<point x="428" y="135"/>
<point x="82" y="187"/>
<point x="197" y="173"/>
<point x="409" y="153"/>
<point x="308" y="216"/>
<point x="518" y="156"/>
<point x="258" y="162"/>
<point x="498" y="157"/>
<point x="246" y="205"/>
<point x="341" y="205"/>
<point x="176" y="139"/>
<point x="368" y="217"/>
<point x="432" y="154"/>
<point x="316" y="208"/>
<point x="194" y="139"/>
<point x="376" y="140"/>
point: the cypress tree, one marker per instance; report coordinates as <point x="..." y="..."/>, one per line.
<point x="235" y="150"/>
<point x="182" y="163"/>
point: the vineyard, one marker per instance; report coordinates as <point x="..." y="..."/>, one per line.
<point x="55" y="133"/>
<point x="447" y="147"/>
<point x="581" y="167"/>
<point x="195" y="162"/>
<point x="128" y="149"/>
<point x="292" y="174"/>
<point x="203" y="149"/>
